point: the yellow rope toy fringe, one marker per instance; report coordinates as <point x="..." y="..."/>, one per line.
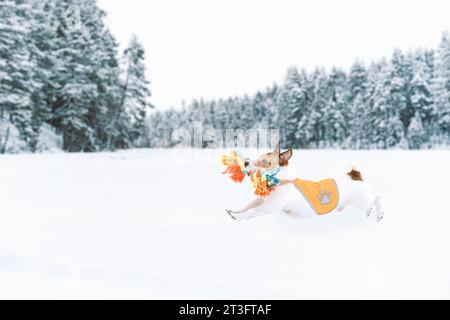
<point x="262" y="182"/>
<point x="235" y="166"/>
<point x="232" y="159"/>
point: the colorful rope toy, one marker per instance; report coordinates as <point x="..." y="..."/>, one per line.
<point x="263" y="181"/>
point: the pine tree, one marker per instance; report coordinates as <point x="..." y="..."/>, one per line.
<point x="86" y="90"/>
<point x="18" y="68"/>
<point x="386" y="129"/>
<point x="271" y="98"/>
<point x="156" y="130"/>
<point x="335" y="109"/>
<point x="109" y="89"/>
<point x="131" y="113"/>
<point x="441" y="90"/>
<point x="258" y="104"/>
<point x="357" y="88"/>
<point x="79" y="26"/>
<point x="222" y="116"/>
<point x="318" y="115"/>
<point x="248" y="113"/>
<point x="416" y="133"/>
<point x="401" y="92"/>
<point x="45" y="54"/>
<point x="211" y="116"/>
<point x="294" y="102"/>
<point x="421" y="99"/>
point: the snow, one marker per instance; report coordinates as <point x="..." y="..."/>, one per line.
<point x="48" y="139"/>
<point x="151" y="224"/>
<point x="14" y="143"/>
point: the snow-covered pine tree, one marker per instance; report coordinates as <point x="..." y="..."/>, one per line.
<point x="441" y="92"/>
<point x="18" y="68"/>
<point x="358" y="108"/>
<point x="265" y="104"/>
<point x="386" y="129"/>
<point x="156" y="130"/>
<point x="85" y="87"/>
<point x="294" y="102"/>
<point x="110" y="92"/>
<point x="402" y="75"/>
<point x="271" y="97"/>
<point x="335" y="109"/>
<point x="76" y="109"/>
<point x="48" y="64"/>
<point x="105" y="76"/>
<point x="421" y="99"/>
<point x="222" y="116"/>
<point x="210" y="110"/>
<point x="134" y="104"/>
<point x="260" y="107"/>
<point x="233" y="107"/>
<point x="417" y="136"/>
<point x="248" y="112"/>
<point x="167" y="126"/>
<point x="49" y="39"/>
<point x="318" y="115"/>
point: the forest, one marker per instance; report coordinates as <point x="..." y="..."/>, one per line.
<point x="400" y="102"/>
<point x="61" y="75"/>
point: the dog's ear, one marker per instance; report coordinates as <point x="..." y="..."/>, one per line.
<point x="277" y="148"/>
<point x="284" y="157"/>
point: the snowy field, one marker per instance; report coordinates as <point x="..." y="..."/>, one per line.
<point x="146" y="224"/>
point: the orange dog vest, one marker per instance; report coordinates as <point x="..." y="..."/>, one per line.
<point x="323" y="196"/>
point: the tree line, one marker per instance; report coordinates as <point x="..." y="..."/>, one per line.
<point x="400" y="102"/>
<point x="60" y="66"/>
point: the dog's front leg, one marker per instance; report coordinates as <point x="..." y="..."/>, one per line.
<point x="239" y="214"/>
<point x="254" y="204"/>
<point x="251" y="213"/>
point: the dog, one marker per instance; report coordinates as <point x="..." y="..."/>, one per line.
<point x="306" y="199"/>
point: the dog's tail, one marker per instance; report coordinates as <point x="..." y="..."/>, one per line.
<point x="351" y="171"/>
<point x="355" y="175"/>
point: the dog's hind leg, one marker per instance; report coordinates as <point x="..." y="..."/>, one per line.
<point x="378" y="209"/>
<point x="363" y="199"/>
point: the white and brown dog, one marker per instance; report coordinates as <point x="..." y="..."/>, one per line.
<point x="344" y="189"/>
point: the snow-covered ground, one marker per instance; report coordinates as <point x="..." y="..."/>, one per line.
<point x="151" y="224"/>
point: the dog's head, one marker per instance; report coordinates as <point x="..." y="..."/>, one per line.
<point x="271" y="160"/>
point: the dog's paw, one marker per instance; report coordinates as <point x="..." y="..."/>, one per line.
<point x="380" y="216"/>
<point x="369" y="212"/>
<point x="230" y="213"/>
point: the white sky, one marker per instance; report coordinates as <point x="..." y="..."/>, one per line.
<point x="212" y="48"/>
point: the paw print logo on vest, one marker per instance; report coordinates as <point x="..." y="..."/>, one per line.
<point x="324" y="197"/>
